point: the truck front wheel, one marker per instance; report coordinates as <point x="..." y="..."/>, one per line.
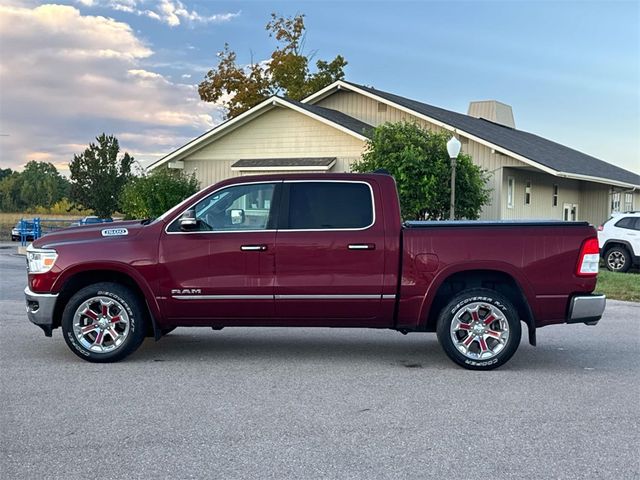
<point x="479" y="329"/>
<point x="103" y="322"/>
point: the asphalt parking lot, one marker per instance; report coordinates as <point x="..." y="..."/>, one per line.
<point x="317" y="403"/>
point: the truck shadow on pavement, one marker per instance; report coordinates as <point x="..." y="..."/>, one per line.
<point x="417" y="351"/>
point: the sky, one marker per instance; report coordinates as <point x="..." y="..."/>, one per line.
<point x="70" y="70"/>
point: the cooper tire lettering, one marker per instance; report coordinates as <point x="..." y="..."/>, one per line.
<point x="115" y="329"/>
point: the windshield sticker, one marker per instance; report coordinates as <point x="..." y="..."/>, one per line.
<point x="114" y="232"/>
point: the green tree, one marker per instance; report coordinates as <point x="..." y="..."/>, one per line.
<point x="287" y="72"/>
<point x="151" y="195"/>
<point x="419" y="161"/>
<point x="41" y="185"/>
<point x="98" y="176"/>
<point x="10" y="193"/>
<point x="5" y="172"/>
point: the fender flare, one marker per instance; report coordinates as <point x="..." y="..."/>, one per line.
<point x="500" y="267"/>
<point x="121" y="268"/>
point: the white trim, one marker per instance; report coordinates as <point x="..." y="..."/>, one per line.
<point x="223" y="128"/>
<point x="340" y="85"/>
<point x="325" y="92"/>
<point x="285" y="168"/>
<point x="589" y="178"/>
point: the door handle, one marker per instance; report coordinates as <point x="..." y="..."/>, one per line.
<point x="253" y="248"/>
<point x="362" y="246"/>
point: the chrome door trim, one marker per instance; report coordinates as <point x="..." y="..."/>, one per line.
<point x="222" y="297"/>
<point x="284" y="297"/>
<point x="328" y="297"/>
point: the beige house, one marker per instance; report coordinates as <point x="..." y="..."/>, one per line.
<point x="531" y="177"/>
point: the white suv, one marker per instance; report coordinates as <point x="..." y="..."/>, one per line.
<point x="619" y="239"/>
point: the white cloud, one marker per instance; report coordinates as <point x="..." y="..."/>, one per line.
<point x="186" y="75"/>
<point x="68" y="77"/>
<point x="171" y="12"/>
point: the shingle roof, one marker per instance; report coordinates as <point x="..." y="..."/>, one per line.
<point x="335" y="116"/>
<point x="545" y="152"/>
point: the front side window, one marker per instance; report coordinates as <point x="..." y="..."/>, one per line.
<point x="329" y="205"/>
<point x="236" y="208"/>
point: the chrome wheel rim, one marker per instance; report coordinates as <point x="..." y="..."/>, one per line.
<point x="101" y="324"/>
<point x="479" y="331"/>
<point x="615" y="260"/>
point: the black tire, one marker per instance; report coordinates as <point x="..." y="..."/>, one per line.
<point x="506" y="322"/>
<point x="14" y="239"/>
<point x="121" y="303"/>
<point x="617" y="259"/>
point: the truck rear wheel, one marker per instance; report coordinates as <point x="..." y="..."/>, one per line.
<point x="479" y="329"/>
<point x="103" y="322"/>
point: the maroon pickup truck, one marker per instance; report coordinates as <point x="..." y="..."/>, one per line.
<point x="321" y="250"/>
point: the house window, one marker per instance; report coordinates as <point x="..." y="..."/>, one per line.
<point x="555" y="195"/>
<point x="510" y="189"/>
<point x="615" y="202"/>
<point x="628" y="202"/>
<point x="527" y="192"/>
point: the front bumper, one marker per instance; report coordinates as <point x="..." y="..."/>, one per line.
<point x="587" y="309"/>
<point x="40" y="307"/>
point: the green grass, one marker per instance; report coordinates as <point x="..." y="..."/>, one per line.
<point x="619" y="286"/>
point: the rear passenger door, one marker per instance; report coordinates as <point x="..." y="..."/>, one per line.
<point x="329" y="254"/>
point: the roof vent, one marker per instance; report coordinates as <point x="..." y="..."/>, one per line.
<point x="494" y="111"/>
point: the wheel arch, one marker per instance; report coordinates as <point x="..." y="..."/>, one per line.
<point x="617" y="243"/>
<point x="453" y="282"/>
<point x="75" y="280"/>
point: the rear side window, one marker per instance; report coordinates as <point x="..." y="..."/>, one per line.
<point x="627" y="222"/>
<point x="329" y="205"/>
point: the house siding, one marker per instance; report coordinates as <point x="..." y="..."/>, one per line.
<point x="278" y="133"/>
<point x="366" y="109"/>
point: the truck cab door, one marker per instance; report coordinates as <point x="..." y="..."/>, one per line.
<point x="330" y="254"/>
<point x="220" y="265"/>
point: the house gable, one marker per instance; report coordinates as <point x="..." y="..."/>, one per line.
<point x="279" y="133"/>
<point x="333" y="119"/>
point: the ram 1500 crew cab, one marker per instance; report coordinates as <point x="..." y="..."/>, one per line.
<point x="322" y="250"/>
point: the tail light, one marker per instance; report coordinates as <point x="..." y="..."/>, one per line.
<point x="589" y="258"/>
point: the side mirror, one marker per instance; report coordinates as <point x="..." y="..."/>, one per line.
<point x="237" y="216"/>
<point x="188" y="220"/>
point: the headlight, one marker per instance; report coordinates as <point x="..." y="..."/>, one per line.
<point x="40" y="260"/>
